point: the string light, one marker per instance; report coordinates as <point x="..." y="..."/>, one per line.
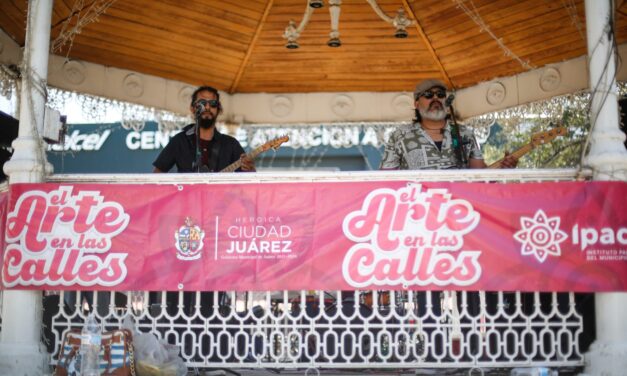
<point x="483" y="27"/>
<point x="133" y="116"/>
<point x="67" y="33"/>
<point x="8" y="80"/>
<point x="571" y="9"/>
<point x="551" y="110"/>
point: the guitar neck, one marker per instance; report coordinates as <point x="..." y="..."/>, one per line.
<point x="518" y="153"/>
<point x="238" y="163"/>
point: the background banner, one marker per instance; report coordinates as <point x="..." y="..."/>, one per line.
<point x="567" y="236"/>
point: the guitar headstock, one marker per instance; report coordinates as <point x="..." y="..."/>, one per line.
<point x="275" y="143"/>
<point x="547" y="136"/>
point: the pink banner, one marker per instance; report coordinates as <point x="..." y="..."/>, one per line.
<point x="332" y="236"/>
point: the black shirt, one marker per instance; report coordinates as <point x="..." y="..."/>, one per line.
<point x="206" y="147"/>
<point x="181" y="149"/>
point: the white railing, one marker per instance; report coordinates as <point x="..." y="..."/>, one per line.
<point x="333" y="329"/>
<point x="356" y="329"/>
<point x="485" y="175"/>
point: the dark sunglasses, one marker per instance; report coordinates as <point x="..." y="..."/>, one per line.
<point x="214" y="103"/>
<point x="430" y="94"/>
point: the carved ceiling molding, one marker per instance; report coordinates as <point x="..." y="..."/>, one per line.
<point x="496" y="93"/>
<point x="74" y="72"/>
<point x="342" y="105"/>
<point x="133" y="85"/>
<point x="550" y="79"/>
<point x="281" y="106"/>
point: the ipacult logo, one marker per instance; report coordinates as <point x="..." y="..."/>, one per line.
<point x="541" y="236"/>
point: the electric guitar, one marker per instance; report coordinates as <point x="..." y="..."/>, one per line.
<point x="272" y="144"/>
<point x="537" y="139"/>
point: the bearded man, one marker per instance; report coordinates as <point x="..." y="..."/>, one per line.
<point x="215" y="150"/>
<point x="432" y="142"/>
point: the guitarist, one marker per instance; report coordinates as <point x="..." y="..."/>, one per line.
<point x="200" y="147"/>
<point x="434" y="141"/>
<point x="215" y="151"/>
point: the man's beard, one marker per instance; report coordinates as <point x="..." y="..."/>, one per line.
<point x="435" y="115"/>
<point x="206" y="123"/>
<point x="434" y="112"/>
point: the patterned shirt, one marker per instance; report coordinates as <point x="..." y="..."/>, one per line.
<point x="411" y="148"/>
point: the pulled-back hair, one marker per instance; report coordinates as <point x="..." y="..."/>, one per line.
<point x="210" y="89"/>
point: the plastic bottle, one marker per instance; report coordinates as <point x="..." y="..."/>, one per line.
<point x="90" y="347"/>
<point x="533" y="371"/>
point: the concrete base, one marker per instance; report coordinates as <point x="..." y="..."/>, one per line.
<point x="607" y="359"/>
<point x="24" y="360"/>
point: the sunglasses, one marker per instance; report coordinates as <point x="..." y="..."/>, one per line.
<point x="430" y="94"/>
<point x="214" y="103"/>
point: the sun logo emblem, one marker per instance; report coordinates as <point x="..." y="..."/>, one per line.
<point x="540" y="236"/>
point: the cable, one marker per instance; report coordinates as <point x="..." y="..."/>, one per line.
<point x="612" y="52"/>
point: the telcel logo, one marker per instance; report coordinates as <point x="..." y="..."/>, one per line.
<point x="86" y="141"/>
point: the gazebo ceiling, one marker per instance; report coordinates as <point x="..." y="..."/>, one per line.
<point x="238" y="47"/>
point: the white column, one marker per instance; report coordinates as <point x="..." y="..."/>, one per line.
<point x="21" y="350"/>
<point x="608" y="157"/>
<point x="607" y="154"/>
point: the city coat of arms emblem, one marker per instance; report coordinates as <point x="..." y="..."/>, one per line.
<point x="189" y="239"/>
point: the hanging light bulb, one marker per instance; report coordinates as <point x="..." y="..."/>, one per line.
<point x="292" y="31"/>
<point x="291" y="34"/>
<point x="400" y="33"/>
<point x="400" y="22"/>
<point x="334" y="10"/>
<point x="334" y="42"/>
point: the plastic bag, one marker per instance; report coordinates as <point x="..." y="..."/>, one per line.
<point x="154" y="357"/>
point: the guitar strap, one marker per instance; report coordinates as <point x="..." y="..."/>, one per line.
<point x="456" y="139"/>
<point x="457" y="147"/>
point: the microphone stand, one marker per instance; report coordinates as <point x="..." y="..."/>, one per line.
<point x="198" y="154"/>
<point x="457" y="141"/>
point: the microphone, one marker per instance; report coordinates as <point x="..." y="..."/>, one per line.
<point x="449" y="100"/>
<point x="200" y="108"/>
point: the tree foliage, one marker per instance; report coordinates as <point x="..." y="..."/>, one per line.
<point x="562" y="152"/>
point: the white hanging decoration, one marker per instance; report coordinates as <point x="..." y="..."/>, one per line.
<point x="80" y="19"/>
<point x="8" y="80"/>
<point x="551" y="110"/>
<point x="133" y="116"/>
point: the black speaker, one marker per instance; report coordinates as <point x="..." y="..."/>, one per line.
<point x="8" y="132"/>
<point x="623" y="117"/>
<point x="8" y="129"/>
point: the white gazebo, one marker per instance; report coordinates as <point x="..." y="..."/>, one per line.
<point x="479" y="91"/>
